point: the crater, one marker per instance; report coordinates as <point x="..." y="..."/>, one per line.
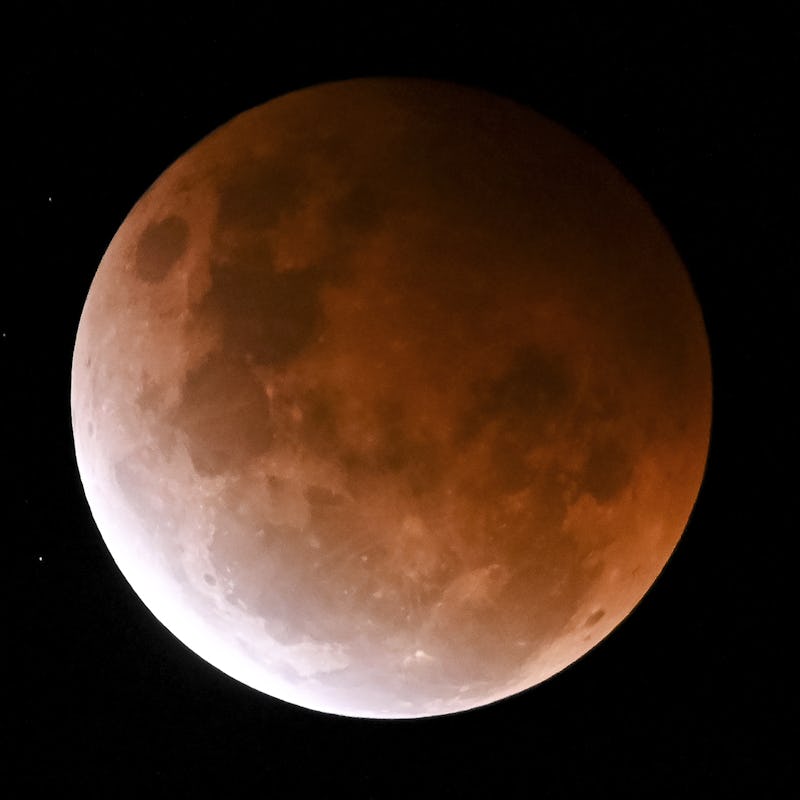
<point x="594" y="618"/>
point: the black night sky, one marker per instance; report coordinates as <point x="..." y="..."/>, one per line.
<point x="691" y="696"/>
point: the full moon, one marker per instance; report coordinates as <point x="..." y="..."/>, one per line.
<point x="391" y="398"/>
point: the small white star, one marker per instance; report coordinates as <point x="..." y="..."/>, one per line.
<point x="49" y="199"/>
<point x="41" y="558"/>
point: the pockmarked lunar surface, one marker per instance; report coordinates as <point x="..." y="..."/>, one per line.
<point x="391" y="398"/>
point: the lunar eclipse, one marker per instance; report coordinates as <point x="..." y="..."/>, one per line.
<point x="391" y="398"/>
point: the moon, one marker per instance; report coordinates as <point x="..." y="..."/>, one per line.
<point x="391" y="398"/>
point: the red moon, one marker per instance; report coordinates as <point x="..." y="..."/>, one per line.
<point x="391" y="398"/>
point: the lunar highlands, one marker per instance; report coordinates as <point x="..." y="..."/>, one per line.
<point x="391" y="398"/>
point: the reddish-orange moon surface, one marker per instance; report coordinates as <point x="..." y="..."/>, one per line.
<point x="391" y="398"/>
